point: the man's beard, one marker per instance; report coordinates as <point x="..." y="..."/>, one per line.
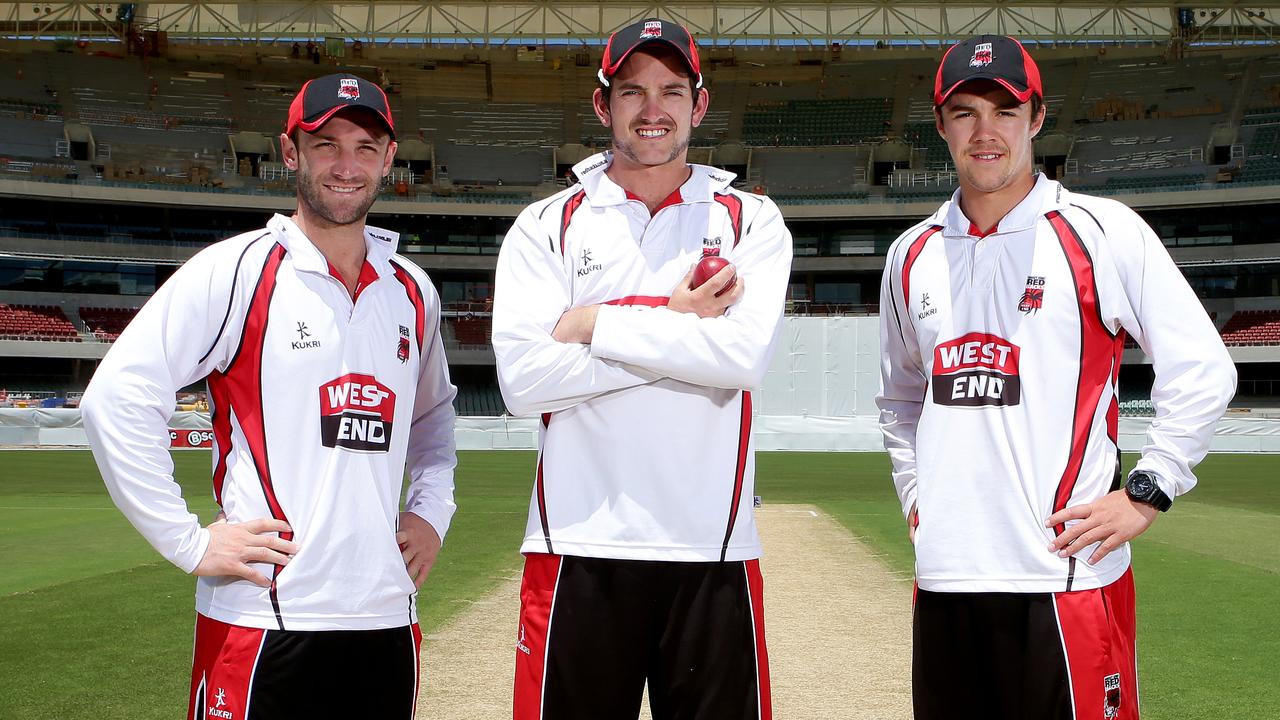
<point x="625" y="148"/>
<point x="311" y="191"/>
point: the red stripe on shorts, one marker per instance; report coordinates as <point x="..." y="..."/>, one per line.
<point x="417" y="663"/>
<point x="1097" y="629"/>
<point x="225" y="658"/>
<point x="755" y="592"/>
<point x="537" y="599"/>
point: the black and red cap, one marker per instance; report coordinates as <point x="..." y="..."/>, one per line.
<point x="625" y="41"/>
<point x="988" y="57"/>
<point x="320" y="99"/>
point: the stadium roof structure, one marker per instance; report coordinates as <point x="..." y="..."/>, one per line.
<point x="776" y="23"/>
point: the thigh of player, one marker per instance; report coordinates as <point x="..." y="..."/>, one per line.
<point x="1056" y="656"/>
<point x="581" y="641"/>
<point x="991" y="655"/>
<point x="711" y="662"/>
<point x="244" y="673"/>
<point x="1098" y="629"/>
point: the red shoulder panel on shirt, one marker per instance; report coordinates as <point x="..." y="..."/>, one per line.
<point x="570" y="207"/>
<point x="733" y="204"/>
<point x="913" y="252"/>
<point x="1098" y="352"/>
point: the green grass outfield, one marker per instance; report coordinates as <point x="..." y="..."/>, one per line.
<point x="96" y="625"/>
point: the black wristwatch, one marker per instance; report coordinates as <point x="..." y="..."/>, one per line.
<point x="1142" y="487"/>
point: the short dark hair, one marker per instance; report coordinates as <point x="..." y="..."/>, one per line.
<point x="1037" y="104"/>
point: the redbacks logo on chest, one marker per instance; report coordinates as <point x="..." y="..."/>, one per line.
<point x="356" y="412"/>
<point x="976" y="370"/>
<point x="402" y="348"/>
<point x="1033" y="298"/>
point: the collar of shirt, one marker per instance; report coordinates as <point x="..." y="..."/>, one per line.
<point x="703" y="183"/>
<point x="380" y="245"/>
<point x="1045" y="195"/>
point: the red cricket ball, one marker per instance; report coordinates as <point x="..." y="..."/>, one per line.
<point x="708" y="267"/>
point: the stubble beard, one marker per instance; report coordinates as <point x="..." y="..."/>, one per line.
<point x="627" y="149"/>
<point x="310" y="191"/>
<point x="982" y="181"/>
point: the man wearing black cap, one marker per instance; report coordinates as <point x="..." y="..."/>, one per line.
<point x="327" y="377"/>
<point x="641" y="548"/>
<point x="1003" y="323"/>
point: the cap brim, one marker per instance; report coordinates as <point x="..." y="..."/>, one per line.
<point x="1022" y="95"/>
<point x="319" y="122"/>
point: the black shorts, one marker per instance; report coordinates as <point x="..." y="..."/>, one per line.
<point x="1012" y="656"/>
<point x="242" y="673"/>
<point x="592" y="631"/>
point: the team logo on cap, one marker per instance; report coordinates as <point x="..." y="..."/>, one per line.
<point x="652" y="28"/>
<point x="348" y="89"/>
<point x="981" y="55"/>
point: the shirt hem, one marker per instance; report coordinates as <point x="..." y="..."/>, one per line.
<point x="1044" y="584"/>
<point x="643" y="552"/>
<point x="267" y="621"/>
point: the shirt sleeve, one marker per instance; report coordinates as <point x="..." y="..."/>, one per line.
<point x="1194" y="375"/>
<point x="431" y="456"/>
<point x="531" y="291"/>
<point x="903" y="384"/>
<point x="177" y="338"/>
<point x="731" y="351"/>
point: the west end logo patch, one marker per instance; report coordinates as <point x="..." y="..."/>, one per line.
<point x="356" y="413"/>
<point x="976" y="370"/>
<point x="348" y="89"/>
<point x="982" y="56"/>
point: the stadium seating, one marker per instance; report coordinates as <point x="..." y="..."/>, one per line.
<point x="483" y="400"/>
<point x="488" y="118"/>
<point x="1154" y="183"/>
<point x="35" y="322"/>
<point x="1135" y="403"/>
<point x="924" y="135"/>
<point x="1252" y="327"/>
<point x="106" y="324"/>
<point x="1262" y="155"/>
<point x="914" y="193"/>
<point x="817" y="198"/>
<point x="471" y="330"/>
<point x="817" y="122"/>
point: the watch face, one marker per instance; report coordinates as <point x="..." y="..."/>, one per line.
<point x="1141" y="485"/>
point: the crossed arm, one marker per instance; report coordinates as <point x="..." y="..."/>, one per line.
<point x="552" y="355"/>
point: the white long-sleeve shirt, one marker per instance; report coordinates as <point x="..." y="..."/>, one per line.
<point x="318" y="403"/>
<point x="645" y="447"/>
<point x="998" y="382"/>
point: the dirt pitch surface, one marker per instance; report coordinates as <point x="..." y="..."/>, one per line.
<point x="838" y="627"/>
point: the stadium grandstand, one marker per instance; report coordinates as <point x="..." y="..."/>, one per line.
<point x="133" y="135"/>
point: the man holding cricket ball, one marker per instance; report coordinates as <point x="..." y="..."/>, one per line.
<point x="641" y="549"/>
